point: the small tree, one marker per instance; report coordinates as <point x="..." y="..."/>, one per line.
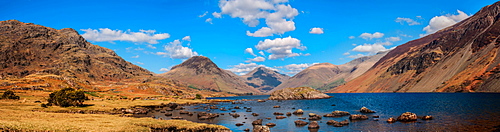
<point x="67" y="97"/>
<point x="198" y="96"/>
<point x="9" y="94"/>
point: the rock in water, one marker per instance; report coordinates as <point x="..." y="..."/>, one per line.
<point x="300" y="123"/>
<point x="358" y="117"/>
<point x="260" y="128"/>
<point x="366" y="110"/>
<point x="427" y="117"/>
<point x="313" y="125"/>
<point x="408" y="116"/>
<point x="257" y="122"/>
<point x="298" y="112"/>
<point x="297" y="93"/>
<point x="391" y="120"/>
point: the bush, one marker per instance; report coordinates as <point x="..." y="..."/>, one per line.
<point x="67" y="97"/>
<point x="9" y="94"/>
<point x="198" y="96"/>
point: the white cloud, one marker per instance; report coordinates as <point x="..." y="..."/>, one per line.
<point x="296" y="68"/>
<point x="410" y="21"/>
<point x="139" y="48"/>
<point x="164" y="69"/>
<point x="262" y="53"/>
<point x="280" y="47"/>
<point x="137" y="56"/>
<point x="243" y="68"/>
<point x="204" y="14"/>
<point x="217" y="15"/>
<point x="175" y="50"/>
<point x="161" y="53"/>
<point x="140" y="63"/>
<point x="106" y="34"/>
<point x="440" y="22"/>
<point x="371" y="48"/>
<point x="351" y="37"/>
<point x="316" y="30"/>
<point x="250" y="51"/>
<point x="256" y="59"/>
<point x="393" y="39"/>
<point x="277" y="15"/>
<point x="187" y="38"/>
<point x="151" y="46"/>
<point x="209" y="20"/>
<point x="371" y="36"/>
<point x="346" y="53"/>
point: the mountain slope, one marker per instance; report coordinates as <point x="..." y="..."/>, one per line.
<point x="325" y="76"/>
<point x="264" y="79"/>
<point x="461" y="58"/>
<point x="34" y="57"/>
<point x="201" y="73"/>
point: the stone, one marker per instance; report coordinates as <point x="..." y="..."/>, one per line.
<point x="276" y="106"/>
<point x="277" y="113"/>
<point x="239" y="124"/>
<point x="312" y="114"/>
<point x="334" y="123"/>
<point x="260" y="128"/>
<point x="300" y="123"/>
<point x="366" y="110"/>
<point x="376" y="116"/>
<point x="176" y="118"/>
<point x="257" y="122"/>
<point x="288" y="114"/>
<point x="391" y="120"/>
<point x="427" y="117"/>
<point x="280" y="117"/>
<point x="358" y="117"/>
<point x="340" y="113"/>
<point x="270" y="124"/>
<point x="255" y="114"/>
<point x="168" y="114"/>
<point x="313" y="125"/>
<point x="297" y="93"/>
<point x="407" y="116"/>
<point x="343" y="123"/>
<point x="298" y="112"/>
<point x="183" y="112"/>
<point x="246" y="130"/>
<point x="236" y="107"/>
<point x="261" y="100"/>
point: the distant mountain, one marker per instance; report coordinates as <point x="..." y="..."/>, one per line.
<point x="34" y="57"/>
<point x="264" y="79"/>
<point x="325" y="76"/>
<point x="464" y="57"/>
<point x="200" y="72"/>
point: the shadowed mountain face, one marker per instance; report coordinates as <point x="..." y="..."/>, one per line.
<point x="325" y="76"/>
<point x="28" y="48"/>
<point x="199" y="72"/>
<point x="461" y="58"/>
<point x="264" y="79"/>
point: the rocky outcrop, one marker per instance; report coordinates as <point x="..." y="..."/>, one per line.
<point x="358" y="117"/>
<point x="260" y="128"/>
<point x="297" y="93"/>
<point x="264" y="79"/>
<point x="338" y="124"/>
<point x="366" y="110"/>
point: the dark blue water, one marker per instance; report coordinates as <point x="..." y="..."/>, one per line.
<point x="451" y="111"/>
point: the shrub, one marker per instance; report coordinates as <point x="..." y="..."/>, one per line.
<point x="67" y="97"/>
<point x="198" y="96"/>
<point x="9" y="94"/>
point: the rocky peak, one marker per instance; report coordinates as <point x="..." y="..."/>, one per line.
<point x="264" y="79"/>
<point x="202" y="65"/>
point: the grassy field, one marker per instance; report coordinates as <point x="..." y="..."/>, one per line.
<point x="21" y="115"/>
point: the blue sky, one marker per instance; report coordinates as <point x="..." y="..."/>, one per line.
<point x="239" y="35"/>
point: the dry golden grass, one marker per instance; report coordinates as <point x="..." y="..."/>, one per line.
<point x="17" y="115"/>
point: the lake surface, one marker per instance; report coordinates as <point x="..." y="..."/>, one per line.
<point x="451" y="111"/>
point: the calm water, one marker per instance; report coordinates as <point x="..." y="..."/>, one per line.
<point x="451" y="111"/>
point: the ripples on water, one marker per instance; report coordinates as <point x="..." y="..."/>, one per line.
<point x="451" y="111"/>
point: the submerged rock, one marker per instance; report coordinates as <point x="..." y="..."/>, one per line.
<point x="407" y="116"/>
<point x="280" y="117"/>
<point x="297" y="93"/>
<point x="270" y="124"/>
<point x="300" y="123"/>
<point x="427" y="117"/>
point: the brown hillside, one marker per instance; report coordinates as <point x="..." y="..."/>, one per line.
<point x="200" y="72"/>
<point x="461" y="58"/>
<point x="264" y="79"/>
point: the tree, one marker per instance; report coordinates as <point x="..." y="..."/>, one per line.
<point x="67" y="97"/>
<point x="198" y="96"/>
<point x="9" y="94"/>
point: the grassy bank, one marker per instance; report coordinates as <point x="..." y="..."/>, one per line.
<point x="19" y="115"/>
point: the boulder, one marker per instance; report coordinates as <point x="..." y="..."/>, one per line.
<point x="297" y="93"/>
<point x="239" y="124"/>
<point x="300" y="123"/>
<point x="261" y="100"/>
<point x="312" y="114"/>
<point x="427" y="117"/>
<point x="334" y="123"/>
<point x="246" y="130"/>
<point x="391" y="120"/>
<point x="176" y="118"/>
<point x="366" y="110"/>
<point x="257" y="122"/>
<point x="407" y="116"/>
<point x="314" y="117"/>
<point x="260" y="128"/>
<point x="183" y="112"/>
<point x="168" y="114"/>
<point x="288" y="114"/>
<point x="276" y="106"/>
<point x="358" y="117"/>
<point x="337" y="114"/>
<point x="255" y="114"/>
<point x="298" y="112"/>
<point x="313" y="125"/>
<point x="277" y="113"/>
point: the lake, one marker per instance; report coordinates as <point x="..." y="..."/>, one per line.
<point x="451" y="111"/>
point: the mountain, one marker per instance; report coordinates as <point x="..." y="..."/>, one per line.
<point x="324" y="76"/>
<point x="34" y="57"/>
<point x="464" y="57"/>
<point x="200" y="72"/>
<point x="264" y="79"/>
